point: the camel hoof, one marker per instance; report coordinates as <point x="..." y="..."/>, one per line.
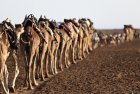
<point x="11" y="89"/>
<point x="47" y="76"/>
<point x="66" y="66"/>
<point x="35" y="84"/>
<point x="37" y="77"/>
<point x="42" y="79"/>
<point x="61" y="69"/>
<point x="69" y="63"/>
<point x="87" y="52"/>
<point x="84" y="56"/>
<point x="80" y="58"/>
<point x="30" y="88"/>
<point x="74" y="62"/>
<point x="56" y="72"/>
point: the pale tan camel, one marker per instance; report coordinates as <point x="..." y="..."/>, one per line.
<point x="74" y="35"/>
<point x="80" y="43"/>
<point x="129" y="31"/>
<point x="65" y="42"/>
<point x="84" y="28"/>
<point x="80" y="33"/>
<point x="88" y="29"/>
<point x="90" y="38"/>
<point x="54" y="46"/>
<point x="8" y="44"/>
<point x="45" y="54"/>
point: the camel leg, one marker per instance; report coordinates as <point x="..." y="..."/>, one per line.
<point x="29" y="71"/>
<point x="3" y="75"/>
<point x="55" y="59"/>
<point x="76" y="49"/>
<point x="84" y="47"/>
<point x="87" y="45"/>
<point x="61" y="54"/>
<point x="42" y="61"/>
<point x="73" y="49"/>
<point x="4" y="79"/>
<point x="80" y="49"/>
<point x="67" y="53"/>
<point x="34" y="68"/>
<point x="52" y="58"/>
<point x="26" y="58"/>
<point x="12" y="87"/>
<point x="6" y="74"/>
<point x="78" y="52"/>
<point x="90" y="43"/>
<point x="37" y="75"/>
<point x="46" y="64"/>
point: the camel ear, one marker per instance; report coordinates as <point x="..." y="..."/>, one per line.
<point x="125" y="25"/>
<point x="45" y="17"/>
<point x="26" y="16"/>
<point x="41" y="16"/>
<point x="7" y="19"/>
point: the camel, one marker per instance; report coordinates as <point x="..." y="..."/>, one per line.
<point x="111" y="39"/>
<point x="86" y="37"/>
<point x="55" y="46"/>
<point x="137" y="34"/>
<point x="65" y="42"/>
<point x="122" y="37"/>
<point x="46" y="54"/>
<point x="96" y="40"/>
<point x="129" y="31"/>
<point x="91" y="31"/>
<point x="103" y="39"/>
<point x="9" y="39"/>
<point x="74" y="35"/>
<point x="80" y="38"/>
<point x="30" y="41"/>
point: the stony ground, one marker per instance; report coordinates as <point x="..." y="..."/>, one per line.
<point x="106" y="70"/>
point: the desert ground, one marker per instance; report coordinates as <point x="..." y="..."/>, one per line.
<point x="106" y="70"/>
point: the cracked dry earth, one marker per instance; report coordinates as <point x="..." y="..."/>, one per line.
<point x="106" y="70"/>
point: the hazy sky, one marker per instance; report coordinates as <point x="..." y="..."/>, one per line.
<point x="104" y="13"/>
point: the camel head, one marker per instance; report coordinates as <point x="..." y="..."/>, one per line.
<point x="43" y="21"/>
<point x="19" y="29"/>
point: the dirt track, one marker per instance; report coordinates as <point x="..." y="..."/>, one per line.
<point x="107" y="70"/>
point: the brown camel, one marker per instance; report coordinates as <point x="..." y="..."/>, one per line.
<point x="9" y="38"/>
<point x="30" y="41"/>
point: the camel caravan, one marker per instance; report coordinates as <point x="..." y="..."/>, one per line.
<point x="47" y="46"/>
<point x="101" y="39"/>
